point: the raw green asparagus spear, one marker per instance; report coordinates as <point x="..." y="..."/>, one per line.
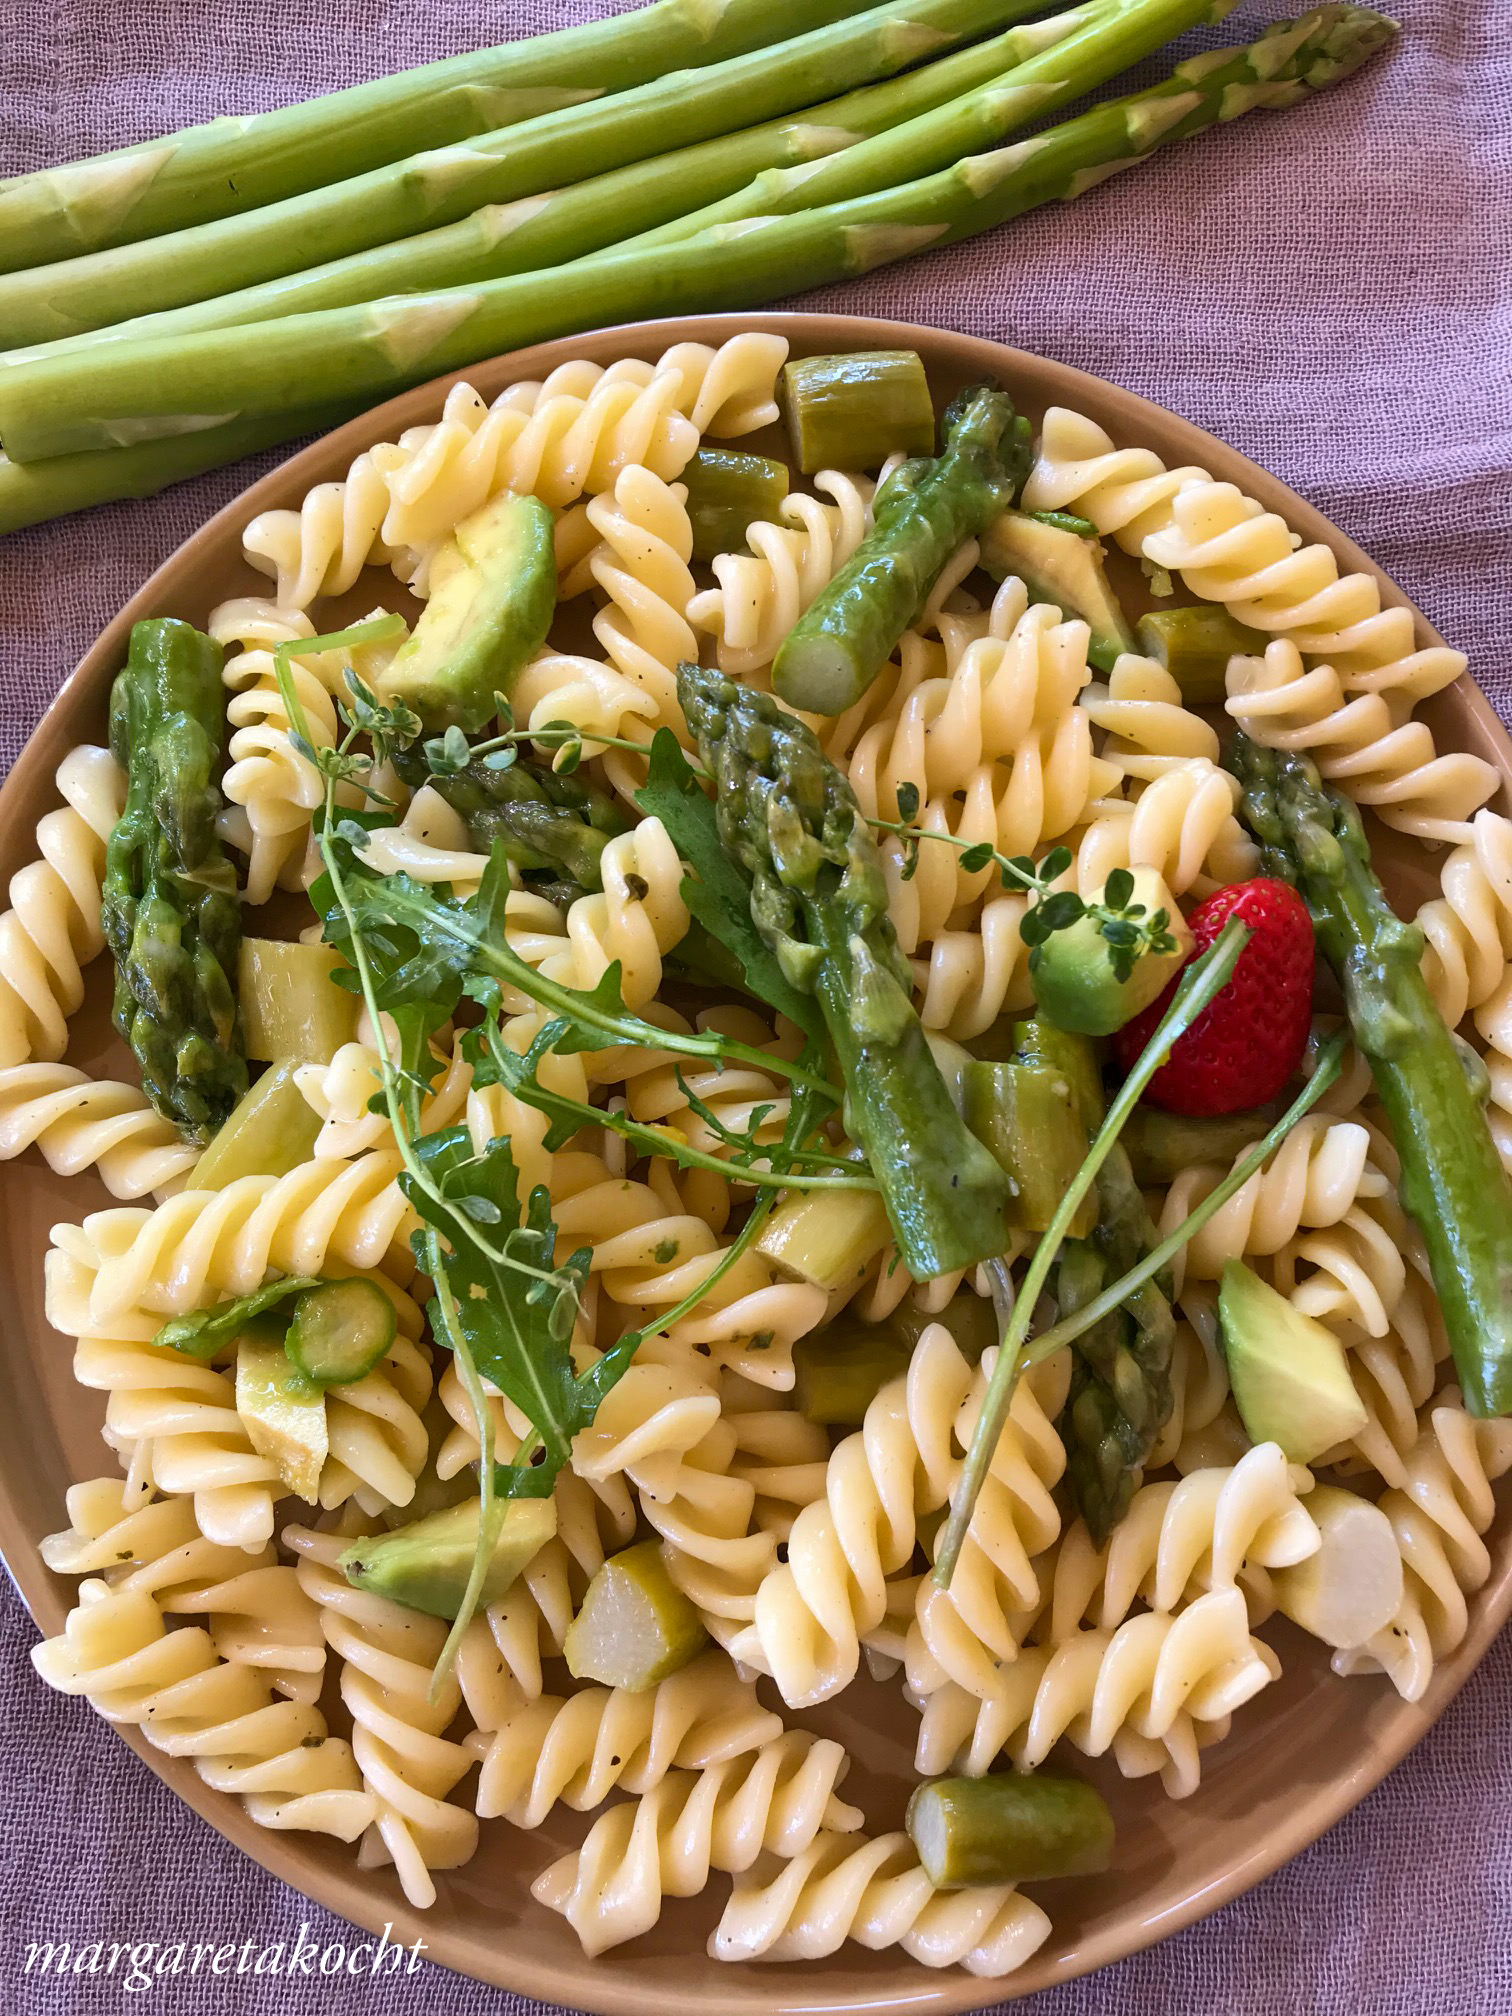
<point x="170" y="912"/>
<point x="540" y="231"/>
<point x="239" y="164"/>
<point x="854" y="410"/>
<point x="844" y="639"/>
<point x="1121" y="1368"/>
<point x="443" y="185"/>
<point x="1194" y="645"/>
<point x="1452" y="1179"/>
<point x="76" y="402"/>
<point x="976" y="120"/>
<point x="1009" y="1828"/>
<point x="791" y="820"/>
<point x="545" y="820"/>
<point x="32" y="493"/>
<point x="729" y="490"/>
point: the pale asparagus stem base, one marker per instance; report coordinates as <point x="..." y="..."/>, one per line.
<point x="538" y="231"/>
<point x="129" y="390"/>
<point x="443" y="185"/>
<point x="237" y="164"/>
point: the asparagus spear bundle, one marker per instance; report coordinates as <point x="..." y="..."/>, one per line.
<point x="1452" y="1179"/>
<point x="1027" y="71"/>
<point x="234" y="165"/>
<point x="171" y="915"/>
<point x="132" y="389"/>
<point x="819" y="900"/>
<point x="517" y="161"/>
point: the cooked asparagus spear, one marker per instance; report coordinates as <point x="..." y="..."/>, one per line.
<point x="819" y="900"/>
<point x="233" y="165"/>
<point x="921" y="515"/>
<point x="74" y="402"/>
<point x="1194" y="645"/>
<point x="1121" y="1368"/>
<point x="1452" y="1179"/>
<point x="170" y="913"/>
<point x="567" y="223"/>
<point x="728" y="491"/>
<point x="1009" y="1828"/>
<point x="441" y="186"/>
<point x="854" y="410"/>
<point x="545" y="820"/>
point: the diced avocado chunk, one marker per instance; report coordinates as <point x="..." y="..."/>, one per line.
<point x="1073" y="977"/>
<point x="1289" y="1374"/>
<point x="1162" y="1146"/>
<point x="290" y="1004"/>
<point x="493" y="587"/>
<point x="341" y="1331"/>
<point x="426" y="1564"/>
<point x="1058" y="567"/>
<point x="283" y="1413"/>
<point x="636" y="1626"/>
<point x="271" y="1130"/>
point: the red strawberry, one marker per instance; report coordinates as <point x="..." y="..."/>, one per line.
<point x="1247" y="1045"/>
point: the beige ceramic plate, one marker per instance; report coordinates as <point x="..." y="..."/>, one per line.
<point x="1298" y="1759"/>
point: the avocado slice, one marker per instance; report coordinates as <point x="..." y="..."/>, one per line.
<point x="283" y="1413"/>
<point x="1057" y="566"/>
<point x="493" y="587"/>
<point x="636" y="1626"/>
<point x="426" y="1564"/>
<point x="1289" y="1375"/>
<point x="1073" y="978"/>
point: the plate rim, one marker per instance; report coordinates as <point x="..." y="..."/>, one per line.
<point x="595" y="1986"/>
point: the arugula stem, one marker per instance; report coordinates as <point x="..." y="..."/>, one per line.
<point x="1202" y="981"/>
<point x="1091" y="1313"/>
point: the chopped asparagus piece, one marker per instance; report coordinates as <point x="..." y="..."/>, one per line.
<point x="291" y="1005"/>
<point x="271" y="1130"/>
<point x="1351" y="1588"/>
<point x="1009" y="1829"/>
<point x="1162" y="1146"/>
<point x="1194" y="645"/>
<point x="548" y="823"/>
<point x="838" y="1372"/>
<point x="921" y="516"/>
<point x="341" y="1331"/>
<point x="1074" y="1058"/>
<point x="635" y="1626"/>
<point x="826" y="1237"/>
<point x="729" y="490"/>
<point x="1025" y="1114"/>
<point x="854" y="410"/>
<point x="1452" y="1178"/>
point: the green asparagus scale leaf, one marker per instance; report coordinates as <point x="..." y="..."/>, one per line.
<point x="819" y="901"/>
<point x="207" y="1331"/>
<point x="1452" y="1178"/>
<point x="170" y="911"/>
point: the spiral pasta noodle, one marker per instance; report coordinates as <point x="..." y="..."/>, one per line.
<point x="1439" y="1515"/>
<point x="873" y="1891"/>
<point x="576" y="1751"/>
<point x="79" y="1123"/>
<point x="1181" y="824"/>
<point x="277" y="1756"/>
<point x="1357" y="743"/>
<point x="408" y="1765"/>
<point x="774" y="1800"/>
<point x="52" y="929"/>
<point x="1228" y="549"/>
<point x="255" y="1611"/>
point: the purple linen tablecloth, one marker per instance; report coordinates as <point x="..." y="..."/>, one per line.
<point x="1329" y="290"/>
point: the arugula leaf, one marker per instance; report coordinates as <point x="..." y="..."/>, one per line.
<point x="202" y="1334"/>
<point x="517" y="1325"/>
<point x="720" y="898"/>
